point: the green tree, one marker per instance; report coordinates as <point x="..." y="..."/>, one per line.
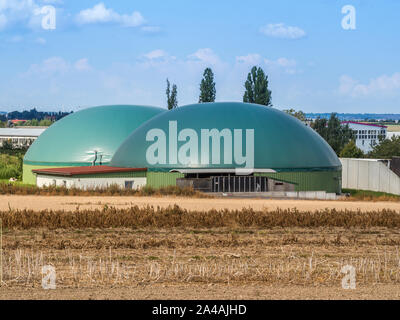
<point x="31" y="123"/>
<point x="350" y="150"/>
<point x="45" y="123"/>
<point x="297" y="114"/>
<point x="207" y="87"/>
<point x="172" y="97"/>
<point x="7" y="145"/>
<point x="386" y="149"/>
<point x="257" y="88"/>
<point x="336" y="134"/>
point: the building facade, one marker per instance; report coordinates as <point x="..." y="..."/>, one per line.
<point x="91" y="178"/>
<point x="20" y="137"/>
<point x="367" y="135"/>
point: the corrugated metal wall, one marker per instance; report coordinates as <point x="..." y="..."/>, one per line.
<point x="162" y="179"/>
<point x="329" y="181"/>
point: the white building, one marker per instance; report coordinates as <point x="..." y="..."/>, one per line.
<point x="91" y="177"/>
<point x="20" y="137"/>
<point x="367" y="135"/>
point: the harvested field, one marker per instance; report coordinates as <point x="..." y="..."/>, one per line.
<point x="71" y="203"/>
<point x="171" y="253"/>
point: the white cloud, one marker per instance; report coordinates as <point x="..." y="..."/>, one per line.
<point x="346" y="85"/>
<point x="14" y="5"/>
<point x="100" y="14"/>
<point x="281" y="62"/>
<point x="205" y="55"/>
<point x="53" y="1"/>
<point x="25" y="13"/>
<point x="251" y="59"/>
<point x="254" y="59"/>
<point x="280" y="30"/>
<point x="57" y="66"/>
<point x="12" y="11"/>
<point x="133" y="20"/>
<point x="382" y="85"/>
<point x="82" y="65"/>
<point x="97" y="14"/>
<point x="50" y="66"/>
<point x="156" y="54"/>
<point x="289" y="65"/>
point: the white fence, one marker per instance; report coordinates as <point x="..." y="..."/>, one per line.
<point x="369" y="174"/>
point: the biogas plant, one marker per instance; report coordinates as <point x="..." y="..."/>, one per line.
<point x="224" y="147"/>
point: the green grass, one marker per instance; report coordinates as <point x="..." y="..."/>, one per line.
<point x="371" y="195"/>
<point x="10" y="165"/>
<point x="16" y="183"/>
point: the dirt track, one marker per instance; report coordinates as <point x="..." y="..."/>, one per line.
<point x="70" y="203"/>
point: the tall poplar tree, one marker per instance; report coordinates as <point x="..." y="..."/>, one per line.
<point x="207" y="87"/>
<point x="257" y="88"/>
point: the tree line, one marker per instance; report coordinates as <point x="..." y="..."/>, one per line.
<point x="32" y="118"/>
<point x="256" y="89"/>
<point x="34" y="114"/>
<point x="342" y="140"/>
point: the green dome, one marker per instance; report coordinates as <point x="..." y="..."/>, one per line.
<point x="73" y="140"/>
<point x="281" y="142"/>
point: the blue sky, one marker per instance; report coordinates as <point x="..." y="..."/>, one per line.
<point x="112" y="52"/>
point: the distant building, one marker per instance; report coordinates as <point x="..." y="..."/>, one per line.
<point x="308" y="122"/>
<point x="17" y="121"/>
<point x="367" y="135"/>
<point x="20" y="137"/>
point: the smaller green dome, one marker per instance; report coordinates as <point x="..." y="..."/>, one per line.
<point x="74" y="140"/>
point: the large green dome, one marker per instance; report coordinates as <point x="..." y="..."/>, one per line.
<point x="281" y="142"/>
<point x="74" y="140"/>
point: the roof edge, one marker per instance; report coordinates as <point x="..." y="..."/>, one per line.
<point x="77" y="171"/>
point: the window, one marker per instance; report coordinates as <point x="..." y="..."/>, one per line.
<point x="128" y="184"/>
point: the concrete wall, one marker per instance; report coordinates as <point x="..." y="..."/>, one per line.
<point x="369" y="174"/>
<point x="88" y="183"/>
